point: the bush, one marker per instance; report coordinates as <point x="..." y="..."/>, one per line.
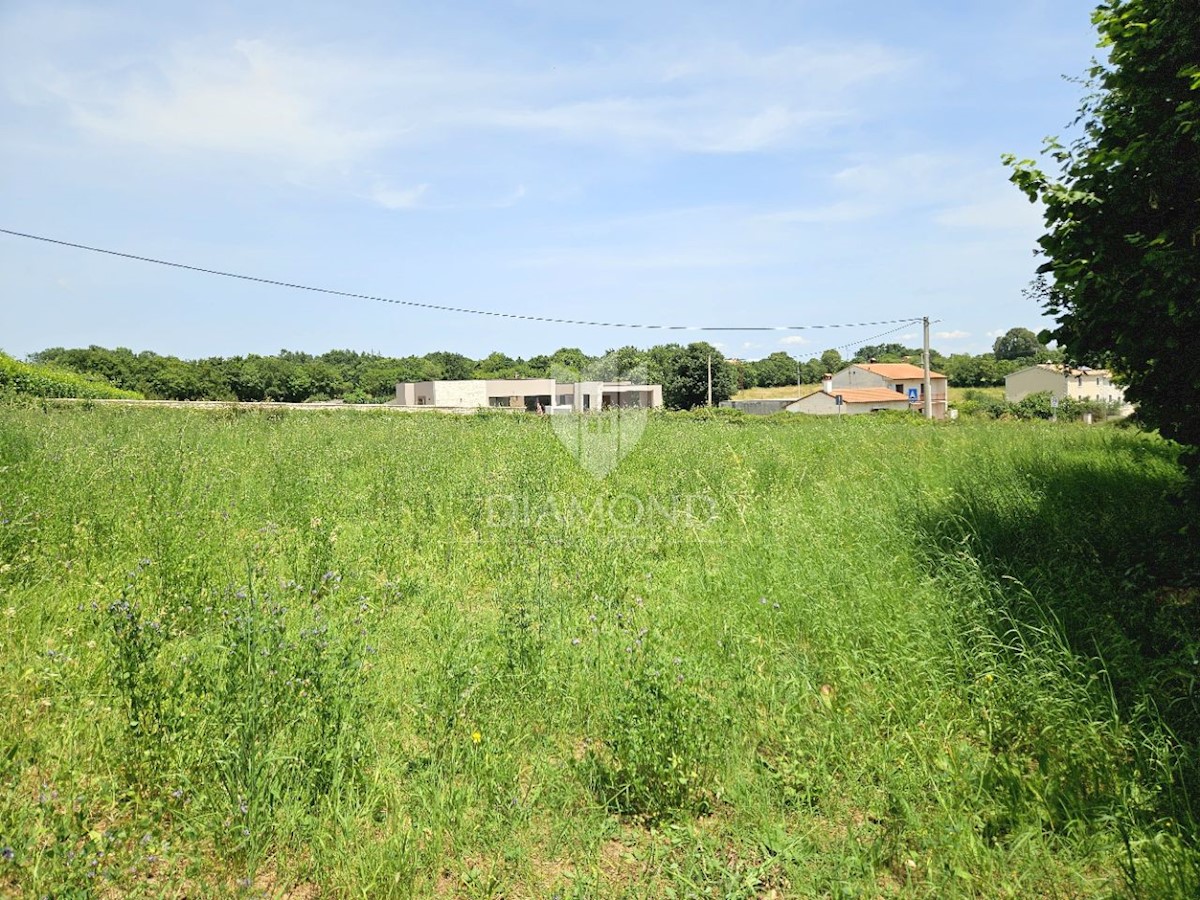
<point x="19" y="378"/>
<point x="1035" y="406"/>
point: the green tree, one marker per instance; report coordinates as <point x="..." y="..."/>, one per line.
<point x="570" y="358"/>
<point x="812" y="371"/>
<point x="831" y="361"/>
<point x="964" y="370"/>
<point x="451" y="366"/>
<point x="885" y="352"/>
<point x="1122" y="241"/>
<point x="686" y="383"/>
<point x="660" y="362"/>
<point x="776" y="370"/>
<point x="624" y="362"/>
<point x="1017" y="343"/>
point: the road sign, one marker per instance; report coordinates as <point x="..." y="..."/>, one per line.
<point x="913" y="395"/>
<point x="1054" y="403"/>
<point x="838" y="399"/>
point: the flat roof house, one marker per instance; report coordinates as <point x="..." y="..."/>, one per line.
<point x="871" y="387"/>
<point x="530" y="394"/>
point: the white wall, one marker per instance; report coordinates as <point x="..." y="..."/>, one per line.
<point x="1094" y="386"/>
<point x="823" y="404"/>
<point x="854" y="377"/>
<point x="1022" y="383"/>
<point x="460" y="393"/>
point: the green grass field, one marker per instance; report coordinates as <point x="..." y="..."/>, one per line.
<point x="320" y="654"/>
<point x="789" y="392"/>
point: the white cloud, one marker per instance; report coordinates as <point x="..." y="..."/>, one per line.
<point x="248" y="100"/>
<point x="403" y="198"/>
<point x="949" y="190"/>
<point x="952" y="335"/>
<point x="315" y="106"/>
<point x="794" y="339"/>
<point x="712" y="97"/>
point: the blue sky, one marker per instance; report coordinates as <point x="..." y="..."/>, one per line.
<point x="677" y="162"/>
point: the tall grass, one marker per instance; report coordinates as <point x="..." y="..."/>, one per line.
<point x="390" y="655"/>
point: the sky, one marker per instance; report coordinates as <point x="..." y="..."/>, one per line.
<point x="809" y="163"/>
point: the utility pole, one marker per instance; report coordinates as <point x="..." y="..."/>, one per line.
<point x="928" y="389"/>
<point x="710" y="379"/>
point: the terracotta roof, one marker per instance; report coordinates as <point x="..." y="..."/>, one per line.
<point x="897" y="371"/>
<point x="864" y="395"/>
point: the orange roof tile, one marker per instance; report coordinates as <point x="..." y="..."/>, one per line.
<point x="897" y="371"/>
<point x="865" y="395"/>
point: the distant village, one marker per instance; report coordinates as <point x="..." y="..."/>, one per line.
<point x="868" y="387"/>
<point x="886" y="377"/>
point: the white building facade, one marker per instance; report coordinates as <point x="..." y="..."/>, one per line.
<point x="529" y="394"/>
<point x="1061" y="381"/>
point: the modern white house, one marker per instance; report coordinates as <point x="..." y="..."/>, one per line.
<point x="871" y="387"/>
<point x="530" y="394"/>
<point x="1063" y="381"/>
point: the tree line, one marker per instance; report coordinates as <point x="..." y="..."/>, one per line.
<point x="296" y="377"/>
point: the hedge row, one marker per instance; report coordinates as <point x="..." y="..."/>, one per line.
<point x="48" y="381"/>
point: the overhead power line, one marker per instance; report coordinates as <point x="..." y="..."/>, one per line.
<point x="865" y="342"/>
<point x="440" y="308"/>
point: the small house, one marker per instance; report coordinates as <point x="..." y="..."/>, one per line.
<point x="872" y="387"/>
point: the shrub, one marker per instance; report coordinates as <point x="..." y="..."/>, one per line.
<point x="19" y="378"/>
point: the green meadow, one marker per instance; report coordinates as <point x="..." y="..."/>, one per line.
<point x="344" y="654"/>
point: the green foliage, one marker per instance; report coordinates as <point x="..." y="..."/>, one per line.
<point x="831" y="361"/>
<point x="354" y="377"/>
<point x="1122" y="214"/>
<point x="686" y="374"/>
<point x="1036" y="406"/>
<point x="656" y="757"/>
<point x="1017" y="343"/>
<point x="35" y="380"/>
<point x="776" y="370"/>
<point x="888" y="353"/>
<point x="980" y="403"/>
<point x="964" y="370"/>
<point x="385" y="654"/>
<point x="248" y="701"/>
